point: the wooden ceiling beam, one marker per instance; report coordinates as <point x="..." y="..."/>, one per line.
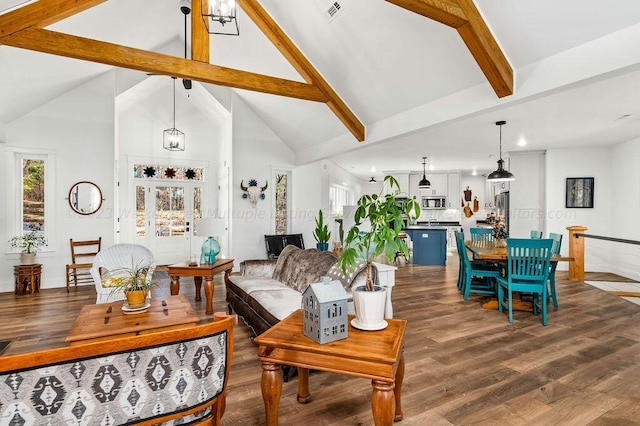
<point x="296" y="58"/>
<point x="41" y="14"/>
<point x="466" y="19"/>
<point x="76" y="47"/>
<point x="199" y="35"/>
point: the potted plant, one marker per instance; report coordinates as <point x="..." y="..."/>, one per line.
<point x="321" y="233"/>
<point x="133" y="281"/>
<point x="28" y="244"/>
<point x="385" y="216"/>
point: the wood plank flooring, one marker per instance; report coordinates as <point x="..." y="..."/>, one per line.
<point x="464" y="365"/>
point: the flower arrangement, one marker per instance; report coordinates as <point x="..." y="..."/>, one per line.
<point x="500" y="231"/>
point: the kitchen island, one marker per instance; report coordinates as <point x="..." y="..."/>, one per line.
<point x="429" y="244"/>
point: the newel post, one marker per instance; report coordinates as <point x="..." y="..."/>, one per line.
<point x="576" y="251"/>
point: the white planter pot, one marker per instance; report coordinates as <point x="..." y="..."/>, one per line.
<point x="27" y="258"/>
<point x="369" y="307"/>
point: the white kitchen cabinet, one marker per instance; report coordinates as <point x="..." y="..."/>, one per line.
<point x="403" y="182"/>
<point x="438" y="184"/>
<point x="453" y="191"/>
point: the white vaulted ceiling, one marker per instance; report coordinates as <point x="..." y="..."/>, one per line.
<point x="410" y="80"/>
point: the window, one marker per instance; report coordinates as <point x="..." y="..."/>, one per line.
<point x="281" y="204"/>
<point x="32" y="206"/>
<point x="340" y="196"/>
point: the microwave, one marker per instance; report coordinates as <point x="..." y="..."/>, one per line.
<point x="434" y="202"/>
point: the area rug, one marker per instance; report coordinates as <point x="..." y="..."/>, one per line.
<point x="4" y="344"/>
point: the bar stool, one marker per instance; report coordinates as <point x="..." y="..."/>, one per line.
<point x="403" y="238"/>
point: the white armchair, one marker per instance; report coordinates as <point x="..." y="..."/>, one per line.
<point x="113" y="258"/>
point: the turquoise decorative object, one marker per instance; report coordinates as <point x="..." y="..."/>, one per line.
<point x="210" y="249"/>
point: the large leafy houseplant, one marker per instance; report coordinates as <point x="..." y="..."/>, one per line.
<point x="385" y="214"/>
<point x="321" y="233"/>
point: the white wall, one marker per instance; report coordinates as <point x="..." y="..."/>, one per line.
<point x="583" y="162"/>
<point x="526" y="193"/>
<point x="625" y="258"/>
<point x="79" y="128"/>
<point x="256" y="150"/>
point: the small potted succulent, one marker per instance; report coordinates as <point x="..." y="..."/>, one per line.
<point x="321" y="233"/>
<point x="28" y="243"/>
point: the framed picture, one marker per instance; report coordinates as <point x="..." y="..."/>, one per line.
<point x="579" y="193"/>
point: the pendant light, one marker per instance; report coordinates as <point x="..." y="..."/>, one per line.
<point x="372" y="180"/>
<point x="424" y="184"/>
<point x="500" y="175"/>
<point x="173" y="139"/>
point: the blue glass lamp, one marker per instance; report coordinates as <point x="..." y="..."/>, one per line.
<point x="210" y="249"/>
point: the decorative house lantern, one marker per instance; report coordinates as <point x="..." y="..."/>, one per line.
<point x="325" y="311"/>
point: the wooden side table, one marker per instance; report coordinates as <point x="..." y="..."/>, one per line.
<point x="374" y="355"/>
<point x="197" y="272"/>
<point x="27" y="278"/>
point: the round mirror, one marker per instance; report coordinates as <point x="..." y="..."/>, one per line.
<point x="85" y="198"/>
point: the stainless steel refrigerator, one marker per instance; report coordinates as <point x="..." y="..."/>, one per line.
<point x="502" y="207"/>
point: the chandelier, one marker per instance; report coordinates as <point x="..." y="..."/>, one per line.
<point x="173" y="139"/>
<point x="220" y="16"/>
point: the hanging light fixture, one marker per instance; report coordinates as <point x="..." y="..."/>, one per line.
<point x="173" y="139"/>
<point x="372" y="180"/>
<point x="220" y="16"/>
<point x="501" y="175"/>
<point x="424" y="182"/>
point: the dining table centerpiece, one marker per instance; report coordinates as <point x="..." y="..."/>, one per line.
<point x="500" y="232"/>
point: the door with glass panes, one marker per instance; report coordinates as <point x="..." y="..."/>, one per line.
<point x="165" y="216"/>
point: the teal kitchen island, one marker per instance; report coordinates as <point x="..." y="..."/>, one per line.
<point x="429" y="244"/>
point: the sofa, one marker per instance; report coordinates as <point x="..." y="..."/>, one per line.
<point x="267" y="290"/>
<point x="168" y="377"/>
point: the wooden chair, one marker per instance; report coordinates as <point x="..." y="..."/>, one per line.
<point x="555" y="249"/>
<point x="82" y="255"/>
<point x="481" y="234"/>
<point x="536" y="234"/>
<point x="470" y="269"/>
<point x="108" y="261"/>
<point x="527" y="271"/>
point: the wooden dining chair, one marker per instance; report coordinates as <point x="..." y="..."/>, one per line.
<point x="472" y="270"/>
<point x="82" y="255"/>
<point x="536" y="234"/>
<point x="555" y="249"/>
<point x="527" y="272"/>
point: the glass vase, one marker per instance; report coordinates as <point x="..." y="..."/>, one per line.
<point x="209" y="250"/>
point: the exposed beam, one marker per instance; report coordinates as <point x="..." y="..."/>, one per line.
<point x="296" y="58"/>
<point x="199" y="35"/>
<point x="55" y="43"/>
<point x="41" y="14"/>
<point x="446" y="12"/>
<point x="486" y="51"/>
<point x="465" y="18"/>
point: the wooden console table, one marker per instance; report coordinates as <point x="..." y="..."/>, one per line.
<point x="375" y="355"/>
<point x="28" y="277"/>
<point x="197" y="272"/>
<point x="106" y="321"/>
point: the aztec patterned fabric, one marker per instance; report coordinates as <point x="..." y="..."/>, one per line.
<point x="120" y="388"/>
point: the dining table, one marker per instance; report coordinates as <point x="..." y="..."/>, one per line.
<point x="487" y="250"/>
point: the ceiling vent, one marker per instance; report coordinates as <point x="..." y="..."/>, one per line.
<point x="333" y="10"/>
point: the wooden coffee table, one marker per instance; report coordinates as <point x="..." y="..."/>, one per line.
<point x="107" y="321"/>
<point x="375" y="355"/>
<point x="197" y="272"/>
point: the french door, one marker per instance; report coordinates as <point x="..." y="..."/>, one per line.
<point x="165" y="213"/>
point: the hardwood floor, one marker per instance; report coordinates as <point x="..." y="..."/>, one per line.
<point x="464" y="364"/>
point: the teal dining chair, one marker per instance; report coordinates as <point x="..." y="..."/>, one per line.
<point x="536" y="234"/>
<point x="481" y="234"/>
<point x="555" y="249"/>
<point x="470" y="271"/>
<point x="527" y="272"/>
